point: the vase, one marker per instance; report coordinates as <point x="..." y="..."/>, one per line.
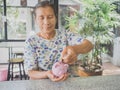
<point x="83" y="73"/>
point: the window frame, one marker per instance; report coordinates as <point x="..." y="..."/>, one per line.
<point x="55" y="2"/>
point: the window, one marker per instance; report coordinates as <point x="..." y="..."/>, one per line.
<point x="65" y="9"/>
<point x="1" y="21"/>
<point x="19" y="19"/>
<point x="16" y="19"/>
<point x="19" y="22"/>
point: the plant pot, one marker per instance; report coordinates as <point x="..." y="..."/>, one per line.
<point x="83" y="73"/>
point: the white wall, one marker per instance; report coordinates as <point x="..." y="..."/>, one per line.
<point x="4" y="55"/>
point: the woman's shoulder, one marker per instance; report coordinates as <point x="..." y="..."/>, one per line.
<point x="31" y="38"/>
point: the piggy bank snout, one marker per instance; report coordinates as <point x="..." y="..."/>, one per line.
<point x="59" y="68"/>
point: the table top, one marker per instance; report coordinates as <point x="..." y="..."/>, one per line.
<point x="111" y="82"/>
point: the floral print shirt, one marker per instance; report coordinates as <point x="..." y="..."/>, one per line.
<point x="40" y="54"/>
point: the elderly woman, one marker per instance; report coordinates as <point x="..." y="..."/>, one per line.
<point x="51" y="45"/>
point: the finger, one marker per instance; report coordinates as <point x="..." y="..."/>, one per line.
<point x="56" y="79"/>
<point x="69" y="61"/>
<point x="67" y="58"/>
<point x="66" y="61"/>
<point x="65" y="76"/>
<point x="50" y="75"/>
<point x="74" y="59"/>
<point x="70" y="55"/>
<point x="64" y="52"/>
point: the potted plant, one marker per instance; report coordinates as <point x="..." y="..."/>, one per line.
<point x="96" y="21"/>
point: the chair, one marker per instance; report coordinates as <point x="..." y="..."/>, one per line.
<point x="16" y="61"/>
<point x="16" y="54"/>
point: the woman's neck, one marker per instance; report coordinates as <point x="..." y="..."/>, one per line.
<point x="47" y="35"/>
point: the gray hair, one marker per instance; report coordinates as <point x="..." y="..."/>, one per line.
<point x="44" y="4"/>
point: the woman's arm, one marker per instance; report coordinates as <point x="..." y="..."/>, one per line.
<point x="33" y="74"/>
<point x="70" y="53"/>
<point x="83" y="48"/>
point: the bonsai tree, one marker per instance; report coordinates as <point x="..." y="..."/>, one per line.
<point x="97" y="21"/>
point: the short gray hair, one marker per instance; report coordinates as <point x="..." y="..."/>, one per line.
<point x="44" y="4"/>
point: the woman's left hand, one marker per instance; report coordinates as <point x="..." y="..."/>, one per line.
<point x="57" y="79"/>
<point x="69" y="55"/>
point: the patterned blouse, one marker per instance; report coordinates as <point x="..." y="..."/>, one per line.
<point x="40" y="54"/>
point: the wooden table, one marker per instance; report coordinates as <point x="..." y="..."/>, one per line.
<point x="74" y="83"/>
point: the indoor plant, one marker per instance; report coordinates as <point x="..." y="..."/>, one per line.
<point x="96" y="21"/>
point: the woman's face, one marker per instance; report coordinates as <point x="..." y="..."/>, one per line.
<point x="46" y="20"/>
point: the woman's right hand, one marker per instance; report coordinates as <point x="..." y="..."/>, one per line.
<point x="56" y="79"/>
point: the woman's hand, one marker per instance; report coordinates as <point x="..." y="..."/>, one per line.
<point x="69" y="55"/>
<point x="56" y="79"/>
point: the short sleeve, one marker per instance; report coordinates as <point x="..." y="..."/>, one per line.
<point x="73" y="38"/>
<point x="30" y="58"/>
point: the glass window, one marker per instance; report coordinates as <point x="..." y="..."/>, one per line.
<point x="22" y="2"/>
<point x="16" y="19"/>
<point x="66" y="9"/>
<point x="19" y="22"/>
<point x="1" y="21"/>
<point x="1" y="3"/>
<point x="13" y="2"/>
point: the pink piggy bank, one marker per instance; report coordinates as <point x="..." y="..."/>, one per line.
<point x="59" y="68"/>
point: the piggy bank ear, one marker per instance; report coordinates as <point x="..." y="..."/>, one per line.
<point x="57" y="64"/>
